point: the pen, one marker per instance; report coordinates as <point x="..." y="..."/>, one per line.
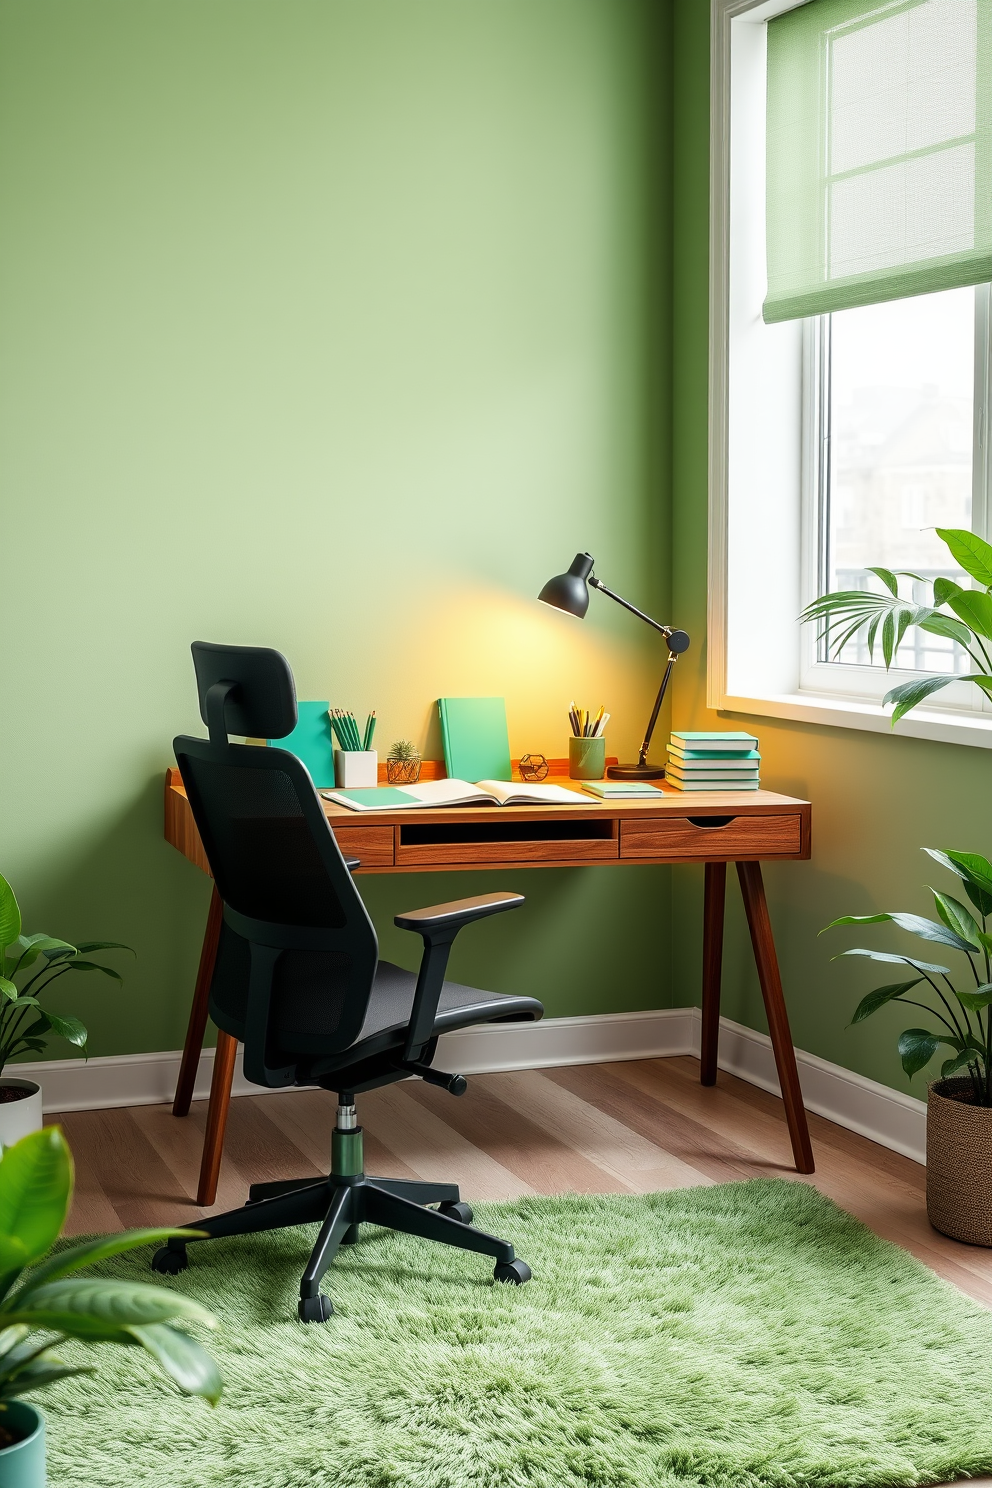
<point x="369" y="731"/>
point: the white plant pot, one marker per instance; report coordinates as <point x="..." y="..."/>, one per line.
<point x="354" y="768"/>
<point x="21" y="1117"/>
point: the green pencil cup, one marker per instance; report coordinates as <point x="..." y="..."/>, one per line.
<point x="586" y="758"/>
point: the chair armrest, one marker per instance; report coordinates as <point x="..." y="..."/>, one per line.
<point x="439" y="925"/>
<point x="452" y="916"/>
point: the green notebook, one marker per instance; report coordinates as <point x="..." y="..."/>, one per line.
<point x="311" y="742"/>
<point x="476" y="743"/>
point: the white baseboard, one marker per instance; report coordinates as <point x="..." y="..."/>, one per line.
<point x="864" y="1106"/>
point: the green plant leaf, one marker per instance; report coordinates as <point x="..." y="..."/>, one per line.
<point x="8" y="989"/>
<point x="87" y="947"/>
<point x="970" y="552"/>
<point x="979" y="998"/>
<point x="95" y="1307"/>
<point x="957" y="918"/>
<point x="975" y="608"/>
<point x="10" y="915"/>
<point x="68" y="1028"/>
<point x="946" y="625"/>
<point x="909" y="694"/>
<point x="881" y="995"/>
<point x="915" y="924"/>
<point x="917" y="1046"/>
<point x="974" y="871"/>
<point x="88" y="1252"/>
<point x="888" y="578"/>
<point x="35" y="1187"/>
<point x="958" y="1062"/>
<point x="109" y="971"/>
<point x="33" y="1376"/>
<point x="890" y="956"/>
<point x="943" y="589"/>
<point x="192" y="1368"/>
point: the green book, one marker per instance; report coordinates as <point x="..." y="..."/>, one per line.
<point x="475" y="738"/>
<point x="311" y="742"/>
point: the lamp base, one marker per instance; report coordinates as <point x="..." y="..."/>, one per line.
<point x="636" y="772"/>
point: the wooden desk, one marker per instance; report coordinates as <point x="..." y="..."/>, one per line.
<point x="710" y="827"/>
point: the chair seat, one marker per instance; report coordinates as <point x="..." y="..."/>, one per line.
<point x="389" y="1009"/>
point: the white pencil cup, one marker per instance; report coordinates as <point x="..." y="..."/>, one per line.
<point x="356" y="767"/>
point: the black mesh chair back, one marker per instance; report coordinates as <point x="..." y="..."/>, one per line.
<point x="297" y="956"/>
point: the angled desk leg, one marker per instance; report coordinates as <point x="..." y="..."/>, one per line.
<point x="760" y="926"/>
<point x="713" y="902"/>
<point x="193" y="1047"/>
<point x="220" y="1103"/>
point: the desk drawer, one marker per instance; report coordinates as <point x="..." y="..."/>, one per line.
<point x="478" y="843"/>
<point x="707" y="834"/>
<point x="374" y="845"/>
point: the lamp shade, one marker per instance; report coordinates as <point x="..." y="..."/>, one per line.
<point x="569" y="591"/>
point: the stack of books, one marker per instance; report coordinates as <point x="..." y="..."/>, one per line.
<point x="713" y="761"/>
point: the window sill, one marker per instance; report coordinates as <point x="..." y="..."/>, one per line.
<point x="853" y="713"/>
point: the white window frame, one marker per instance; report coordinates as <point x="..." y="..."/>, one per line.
<point x="763" y="546"/>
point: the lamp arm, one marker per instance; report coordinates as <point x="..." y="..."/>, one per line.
<point x="666" y="630"/>
<point x="642" y="754"/>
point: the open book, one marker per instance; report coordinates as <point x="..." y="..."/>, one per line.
<point x="437" y="793"/>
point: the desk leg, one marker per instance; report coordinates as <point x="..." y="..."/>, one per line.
<point x="220" y="1102"/>
<point x="760" y="925"/>
<point x="715" y="895"/>
<point x="198" y="1012"/>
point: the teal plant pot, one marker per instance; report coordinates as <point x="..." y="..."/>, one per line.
<point x="22" y="1465"/>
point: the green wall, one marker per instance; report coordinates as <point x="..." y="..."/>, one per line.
<point x="877" y="798"/>
<point x="335" y="327"/>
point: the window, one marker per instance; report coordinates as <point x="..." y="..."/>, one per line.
<point x="851" y="230"/>
<point x="891" y="447"/>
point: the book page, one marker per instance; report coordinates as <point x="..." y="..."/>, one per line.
<point x="451" y="793"/>
<point x="516" y="793"/>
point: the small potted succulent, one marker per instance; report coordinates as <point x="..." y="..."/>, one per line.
<point x="29" y="964"/>
<point x="959" y="1113"/>
<point x="42" y="1304"/>
<point x="403" y="763"/>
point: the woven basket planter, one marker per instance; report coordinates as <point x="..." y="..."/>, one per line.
<point x="959" y="1163"/>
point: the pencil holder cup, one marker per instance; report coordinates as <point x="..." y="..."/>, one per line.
<point x="356" y="767"/>
<point x="586" y="758"/>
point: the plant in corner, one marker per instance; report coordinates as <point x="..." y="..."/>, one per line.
<point x="29" y="965"/>
<point x="959" y="1114"/>
<point x="962" y="615"/>
<point x="43" y="1303"/>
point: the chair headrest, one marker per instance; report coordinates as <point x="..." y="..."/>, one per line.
<point x="247" y="690"/>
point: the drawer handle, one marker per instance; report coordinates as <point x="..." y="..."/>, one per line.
<point x="710" y="823"/>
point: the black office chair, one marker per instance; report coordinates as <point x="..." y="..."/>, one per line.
<point x="299" y="980"/>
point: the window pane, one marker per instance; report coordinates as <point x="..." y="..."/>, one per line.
<point x="901" y="392"/>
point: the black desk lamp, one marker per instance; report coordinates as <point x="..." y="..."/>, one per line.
<point x="570" y="592"/>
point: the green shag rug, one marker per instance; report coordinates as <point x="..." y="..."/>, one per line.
<point x="747" y="1334"/>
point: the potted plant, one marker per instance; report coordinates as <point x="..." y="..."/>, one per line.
<point x="403" y="763"/>
<point x="42" y="1304"/>
<point x="29" y="964"/>
<point x="959" y="1113"/>
<point x="962" y="615"/>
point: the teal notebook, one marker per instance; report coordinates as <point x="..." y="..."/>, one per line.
<point x="476" y="743"/>
<point x="311" y="742"/>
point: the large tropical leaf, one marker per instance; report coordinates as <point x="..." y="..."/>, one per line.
<point x="979" y="998"/>
<point x="917" y="1046"/>
<point x="975" y="609"/>
<point x="87" y="947"/>
<point x="182" y="1358"/>
<point x="909" y="694"/>
<point x="68" y="1028"/>
<point x="959" y="1062"/>
<point x="943" y="589"/>
<point x="888" y="578"/>
<point x="35" y="1186"/>
<point x="27" y="949"/>
<point x="77" y="965"/>
<point x="881" y="995"/>
<point x="946" y="625"/>
<point x="970" y="552"/>
<point x="974" y="871"/>
<point x="95" y="1307"/>
<point x="890" y="956"/>
<point x="10" y="915"/>
<point x="88" y="1252"/>
<point x="915" y="924"/>
<point x="958" y="918"/>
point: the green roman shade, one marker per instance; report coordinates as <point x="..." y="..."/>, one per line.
<point x="879" y="152"/>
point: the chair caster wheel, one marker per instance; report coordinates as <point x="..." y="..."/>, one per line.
<point x="516" y="1272"/>
<point x="462" y="1212"/>
<point x="315" y="1309"/>
<point x="170" y="1261"/>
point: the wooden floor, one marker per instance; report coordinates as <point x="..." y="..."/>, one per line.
<point x="610" y="1128"/>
